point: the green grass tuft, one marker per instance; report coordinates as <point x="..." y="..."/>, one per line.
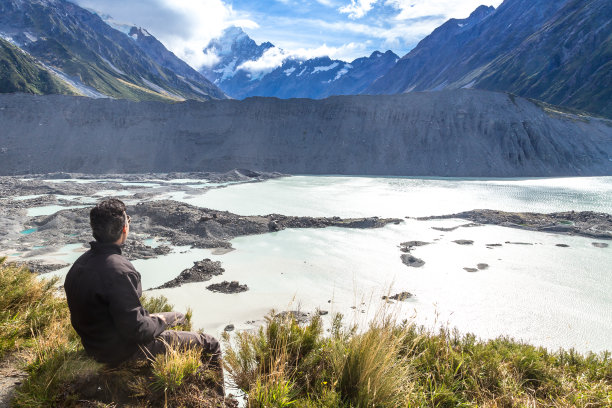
<point x="393" y="364"/>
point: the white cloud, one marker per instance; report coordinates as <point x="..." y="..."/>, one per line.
<point x="206" y="19"/>
<point x="358" y="9"/>
<point x="343" y="52"/>
<point x="183" y="26"/>
<point x="410" y="9"/>
<point x="209" y="59"/>
<point x="268" y="62"/>
<point x="274" y="57"/>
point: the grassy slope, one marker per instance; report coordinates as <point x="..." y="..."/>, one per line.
<point x="95" y="73"/>
<point x="395" y="364"/>
<point x="19" y="72"/>
<point x="35" y="325"/>
<point x="81" y="45"/>
<point x="285" y="364"/>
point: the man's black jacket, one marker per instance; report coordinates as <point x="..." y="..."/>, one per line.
<point x="103" y="292"/>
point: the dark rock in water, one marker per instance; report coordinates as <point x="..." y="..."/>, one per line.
<point x="184" y="224"/>
<point x="562" y="245"/>
<point x="585" y="223"/>
<point x="322" y="312"/>
<point x="519" y="243"/>
<point x="138" y="250"/>
<point x="228" y="287"/>
<point x="399" y="296"/>
<point x="410" y="260"/>
<point x="471" y="269"/>
<point x="228" y="328"/>
<point x="444" y="229"/>
<point x="414" y="243"/>
<point x="600" y="245"/>
<point x="408" y="245"/>
<point x="483" y="266"/>
<point x="299" y="316"/>
<point x="41" y="267"/>
<point x="273" y="226"/>
<point x="463" y="242"/>
<point x="200" y="271"/>
<point x="494" y="245"/>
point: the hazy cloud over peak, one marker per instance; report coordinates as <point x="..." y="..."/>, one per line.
<point x="346" y="29"/>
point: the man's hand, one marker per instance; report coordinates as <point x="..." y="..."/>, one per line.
<point x="171" y="319"/>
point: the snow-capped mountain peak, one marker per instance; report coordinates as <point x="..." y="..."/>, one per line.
<point x="243" y="68"/>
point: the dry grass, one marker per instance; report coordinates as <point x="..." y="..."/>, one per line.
<point x="394" y="364"/>
<point x="34" y="323"/>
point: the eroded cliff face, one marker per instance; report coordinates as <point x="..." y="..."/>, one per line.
<point x="449" y="133"/>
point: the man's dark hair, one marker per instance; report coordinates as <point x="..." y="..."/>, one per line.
<point x="107" y="220"/>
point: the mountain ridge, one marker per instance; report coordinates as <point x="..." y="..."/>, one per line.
<point x="19" y="72"/>
<point x="315" y="78"/>
<point x="559" y="52"/>
<point x="462" y="133"/>
<point x="87" y="51"/>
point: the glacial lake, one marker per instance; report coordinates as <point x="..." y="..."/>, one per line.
<point x="535" y="291"/>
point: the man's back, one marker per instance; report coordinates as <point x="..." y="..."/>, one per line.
<point x="103" y="291"/>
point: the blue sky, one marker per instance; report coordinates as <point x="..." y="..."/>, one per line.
<point x="343" y="29"/>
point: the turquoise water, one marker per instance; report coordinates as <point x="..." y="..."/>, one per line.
<point x="29" y="231"/>
<point x="540" y="293"/>
<point x="49" y="209"/>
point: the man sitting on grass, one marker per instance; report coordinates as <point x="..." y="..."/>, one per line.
<point x="103" y="291"/>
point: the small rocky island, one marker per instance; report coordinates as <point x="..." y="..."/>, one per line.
<point x="584" y="223"/>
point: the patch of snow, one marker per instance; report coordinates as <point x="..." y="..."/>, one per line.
<point x="223" y="45"/>
<point x="440" y="87"/>
<point x="304" y="70"/>
<point x="119" y="26"/>
<point x="325" y="68"/>
<point x="75" y="83"/>
<point x="31" y="37"/>
<point x="461" y="25"/>
<point x="160" y="89"/>
<point x="289" y="71"/>
<point x="227" y="71"/>
<point x="470" y="85"/>
<point x="193" y="87"/>
<point x="114" y="68"/>
<point x="134" y="36"/>
<point x="8" y="38"/>
<point x="343" y="71"/>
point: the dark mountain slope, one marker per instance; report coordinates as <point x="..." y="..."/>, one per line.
<point x="567" y="62"/>
<point x="557" y="51"/>
<point x="19" y="72"/>
<point x="162" y="56"/>
<point x="87" y="50"/>
<point x="460" y="48"/>
<point x="320" y="77"/>
<point x="448" y="133"/>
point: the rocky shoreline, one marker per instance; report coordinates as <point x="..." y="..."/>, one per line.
<point x="156" y="224"/>
<point x="584" y="223"/>
<point x="201" y="271"/>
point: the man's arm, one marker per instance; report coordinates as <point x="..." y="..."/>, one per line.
<point x="132" y="321"/>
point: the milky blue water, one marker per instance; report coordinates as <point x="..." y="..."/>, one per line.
<point x="399" y="197"/>
<point x="541" y="293"/>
